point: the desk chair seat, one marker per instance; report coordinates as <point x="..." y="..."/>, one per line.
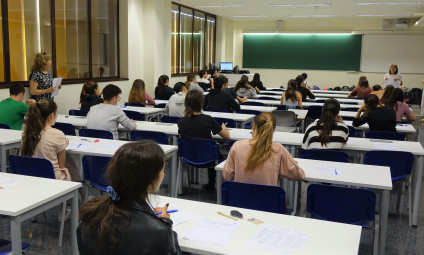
<point x="81" y="113"/>
<point x="94" y="168"/>
<point x="314" y="112"/>
<point x="267" y="98"/>
<point x="95" y="133"/>
<point x="254" y="112"/>
<point x="267" y="94"/>
<point x="158" y="137"/>
<point x="354" y="132"/>
<point x="160" y="105"/>
<point x="170" y="119"/>
<point x="6" y="247"/>
<point x="327" y="155"/>
<point x="286" y="107"/>
<point x="134" y="115"/>
<point x="286" y="121"/>
<point x="4" y="126"/>
<point x="386" y="135"/>
<point x="66" y="128"/>
<point x="350" y="109"/>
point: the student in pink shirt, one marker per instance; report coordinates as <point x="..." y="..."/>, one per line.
<point x="139" y="95"/>
<point x="402" y="109"/>
<point x="259" y="160"/>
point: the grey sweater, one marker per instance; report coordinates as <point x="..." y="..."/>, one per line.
<point x="175" y="106"/>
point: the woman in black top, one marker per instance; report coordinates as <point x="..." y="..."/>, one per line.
<point x="124" y="222"/>
<point x="162" y="90"/>
<point x="256" y="82"/>
<point x="41" y="79"/>
<point x="301" y="88"/>
<point x="378" y="117"/>
<point x="90" y="95"/>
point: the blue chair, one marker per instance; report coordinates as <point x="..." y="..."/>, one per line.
<point x="254" y="103"/>
<point x="267" y="94"/>
<point x="314" y="112"/>
<point x="320" y="100"/>
<point x="254" y="196"/>
<point x="386" y="135"/>
<point x="348" y="118"/>
<point x="230" y="122"/>
<point x="66" y="128"/>
<point x="353" y="103"/>
<point x="209" y="109"/>
<point x="170" y="119"/>
<point x="95" y="133"/>
<point x="158" y="137"/>
<point x="354" y="132"/>
<point x="134" y="115"/>
<point x="94" y="168"/>
<point x="4" y="126"/>
<point x="36" y="167"/>
<point x="327" y="155"/>
<point x="267" y="98"/>
<point x="254" y="112"/>
<point x="6" y="247"/>
<point x="230" y="144"/>
<point x="350" y="109"/>
<point x="78" y="112"/>
<point x="160" y="105"/>
<point x="400" y="163"/>
<point x="285" y="108"/>
<point x="134" y="104"/>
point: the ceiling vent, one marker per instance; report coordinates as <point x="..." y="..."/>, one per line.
<point x="400" y="23"/>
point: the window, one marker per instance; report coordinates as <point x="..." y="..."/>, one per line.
<point x="192" y="39"/>
<point x="80" y="35"/>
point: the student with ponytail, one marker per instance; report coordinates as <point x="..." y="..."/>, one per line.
<point x="191" y="83"/>
<point x="363" y="90"/>
<point x="328" y="132"/>
<point x="124" y="221"/>
<point x="259" y="160"/>
<point x="291" y="98"/>
<point x="378" y="117"/>
<point x="90" y="95"/>
<point x="162" y="90"/>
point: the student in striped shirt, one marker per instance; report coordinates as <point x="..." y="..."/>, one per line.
<point x="328" y="132"/>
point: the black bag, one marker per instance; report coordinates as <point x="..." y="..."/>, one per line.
<point x="415" y="96"/>
<point x="337" y="88"/>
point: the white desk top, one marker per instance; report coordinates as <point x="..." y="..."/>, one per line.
<point x="301" y="114"/>
<point x="318" y="91"/>
<point x="320" y="94"/>
<point x="8" y="136"/>
<point x="158" y="101"/>
<point x="167" y="128"/>
<point x="401" y="128"/>
<point x="234" y="116"/>
<point x="30" y="192"/>
<point x="341" y="100"/>
<point x="77" y="121"/>
<point x="304" y="104"/>
<point x="258" y="108"/>
<point x="143" y="110"/>
<point x="324" y="237"/>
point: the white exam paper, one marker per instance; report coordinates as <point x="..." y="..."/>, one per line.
<point x="327" y="170"/>
<point x="182" y="215"/>
<point x="5" y="182"/>
<point x="386" y="146"/>
<point x="56" y="83"/>
<point x="212" y="231"/>
<point x="79" y="146"/>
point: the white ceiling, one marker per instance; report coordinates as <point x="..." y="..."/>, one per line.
<point x="345" y="9"/>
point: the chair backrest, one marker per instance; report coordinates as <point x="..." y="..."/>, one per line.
<point x="170" y="119"/>
<point x="197" y="151"/>
<point x="286" y="107"/>
<point x="78" y="112"/>
<point x="37" y="167"/>
<point x="66" y="128"/>
<point x="327" y="155"/>
<point x="277" y="89"/>
<point x="320" y="100"/>
<point x="348" y="118"/>
<point x="4" y="126"/>
<point x="353" y="132"/>
<point x="254" y="112"/>
<point x="314" y="112"/>
<point x="400" y="162"/>
<point x="353" y="103"/>
<point x="162" y="105"/>
<point x="94" y="168"/>
<point x="385" y="135"/>
<point x="158" y="137"/>
<point x="285" y="118"/>
<point x="254" y="103"/>
<point x="267" y="98"/>
<point x="134" y="104"/>
<point x="350" y="109"/>
<point x="341" y="204"/>
<point x="215" y="110"/>
<point x="254" y="196"/>
<point x="267" y="94"/>
<point x="95" y="133"/>
<point x="230" y="123"/>
<point x="134" y="115"/>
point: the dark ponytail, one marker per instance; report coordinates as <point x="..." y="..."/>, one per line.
<point x="161" y="83"/>
<point x="327" y="122"/>
<point x="371" y="103"/>
<point x="291" y="90"/>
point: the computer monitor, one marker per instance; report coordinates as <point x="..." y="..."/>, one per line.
<point x="226" y="66"/>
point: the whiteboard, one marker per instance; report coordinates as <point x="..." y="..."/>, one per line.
<point x="381" y="51"/>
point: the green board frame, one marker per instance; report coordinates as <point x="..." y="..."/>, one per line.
<point x="306" y="52"/>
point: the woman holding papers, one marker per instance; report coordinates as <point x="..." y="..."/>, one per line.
<point x="393" y="77"/>
<point x="41" y="79"/>
<point x="259" y="160"/>
<point x="124" y="222"/>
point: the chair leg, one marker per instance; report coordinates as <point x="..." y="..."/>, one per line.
<point x="62" y="223"/>
<point x="399" y="195"/>
<point x="376" y="235"/>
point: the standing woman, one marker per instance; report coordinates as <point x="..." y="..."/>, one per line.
<point x="393" y="77"/>
<point x="291" y="97"/>
<point x="396" y="102"/>
<point x="41" y="79"/>
<point x="162" y="90"/>
<point x="138" y="94"/>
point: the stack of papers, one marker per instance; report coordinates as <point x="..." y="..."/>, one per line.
<point x="212" y="231"/>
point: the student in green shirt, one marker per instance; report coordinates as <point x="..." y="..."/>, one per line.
<point x="12" y="109"/>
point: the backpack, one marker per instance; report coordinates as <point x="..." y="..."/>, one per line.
<point x="415" y="96"/>
<point x="345" y="88"/>
<point x="337" y="88"/>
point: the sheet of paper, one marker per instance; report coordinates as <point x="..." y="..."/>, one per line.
<point x="327" y="169"/>
<point x="212" y="231"/>
<point x="391" y="81"/>
<point x="278" y="239"/>
<point x="182" y="215"/>
<point x="111" y="146"/>
<point x="385" y="146"/>
<point x="79" y="146"/>
<point x="402" y="127"/>
<point x="241" y="132"/>
<point x="5" y="182"/>
<point x="56" y="83"/>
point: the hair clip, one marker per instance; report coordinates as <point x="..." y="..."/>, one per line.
<point x="112" y="193"/>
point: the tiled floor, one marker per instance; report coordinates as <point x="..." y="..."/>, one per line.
<point x="401" y="239"/>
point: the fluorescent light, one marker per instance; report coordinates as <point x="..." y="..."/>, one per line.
<point x="390" y="3"/>
<point x="220" y="6"/>
<point x="299" y="5"/>
<point x="297" y="33"/>
<point x="314" y="16"/>
<point x="248" y="16"/>
<point x="386" y="15"/>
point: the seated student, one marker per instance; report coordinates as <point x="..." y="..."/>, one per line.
<point x="243" y="89"/>
<point x="256" y="82"/>
<point x="108" y="115"/>
<point x="175" y="106"/>
<point x="213" y="74"/>
<point x="231" y="90"/>
<point x="203" y="82"/>
<point x="402" y="110"/>
<point x="195" y="124"/>
<point x="361" y="92"/>
<point x="162" y="90"/>
<point x="377" y="90"/>
<point x="124" y="221"/>
<point x="362" y="78"/>
<point x="218" y="98"/>
<point x="191" y="83"/>
<point x="302" y="89"/>
<point x="12" y="109"/>
<point x="387" y="94"/>
<point x="40" y="140"/>
<point x="90" y="95"/>
<point x="291" y="97"/>
<point x="259" y="160"/>
<point x="139" y="95"/>
<point x="305" y="76"/>
<point x="328" y="132"/>
<point x="378" y="117"/>
<point x="245" y="78"/>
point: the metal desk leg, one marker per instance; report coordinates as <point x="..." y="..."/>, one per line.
<point x="3" y="158"/>
<point x="218" y="187"/>
<point x="174" y="170"/>
<point x="15" y="225"/>
<point x="384" y="211"/>
<point x="417" y="191"/>
<point x="74" y="222"/>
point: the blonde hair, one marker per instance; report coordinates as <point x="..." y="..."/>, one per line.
<point x="261" y="144"/>
<point x="40" y="62"/>
<point x="138" y="92"/>
<point x="190" y="78"/>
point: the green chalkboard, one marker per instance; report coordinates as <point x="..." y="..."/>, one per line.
<point x="307" y="52"/>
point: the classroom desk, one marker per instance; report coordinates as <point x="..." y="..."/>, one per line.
<point x="304" y="104"/>
<point x="324" y="237"/>
<point x="30" y="196"/>
<point x="149" y="112"/>
<point x="9" y="139"/>
<point x="401" y="128"/>
<point x="76" y="121"/>
<point x="319" y="91"/>
<point x="366" y="176"/>
<point x="341" y="100"/>
<point x="241" y="118"/>
<point x="258" y="108"/>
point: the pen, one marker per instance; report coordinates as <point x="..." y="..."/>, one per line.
<point x="228" y="216"/>
<point x="170" y="211"/>
<point x="83" y="139"/>
<point x="78" y="146"/>
<point x="225" y="123"/>
<point x="335" y="171"/>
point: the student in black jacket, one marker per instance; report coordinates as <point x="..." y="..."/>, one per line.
<point x="218" y="98"/>
<point x="90" y="95"/>
<point x="302" y="89"/>
<point x="256" y="82"/>
<point x="162" y="90"/>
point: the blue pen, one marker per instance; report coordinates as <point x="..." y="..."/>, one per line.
<point x="78" y="146"/>
<point x="170" y="211"/>
<point x="335" y="171"/>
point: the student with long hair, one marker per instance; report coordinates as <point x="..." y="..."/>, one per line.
<point x="378" y="117"/>
<point x="124" y="221"/>
<point x="243" y="89"/>
<point x="393" y="77"/>
<point x="387" y="94"/>
<point x="191" y="83"/>
<point x="362" y="78"/>
<point x="301" y="87"/>
<point x="256" y="82"/>
<point x="90" y="95"/>
<point x="259" y="160"/>
<point x="402" y="110"/>
<point x="328" y="132"/>
<point x="377" y="90"/>
<point x="362" y="91"/>
<point x="162" y="90"/>
<point x="231" y="90"/>
<point x="291" y="98"/>
<point x="139" y="95"/>
<point x="41" y="79"/>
